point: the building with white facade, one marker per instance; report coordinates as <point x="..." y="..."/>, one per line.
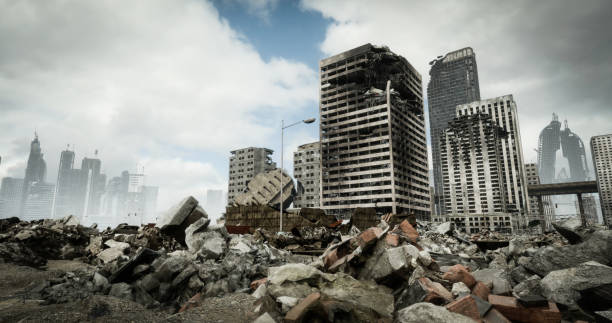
<point x="307" y="173"/>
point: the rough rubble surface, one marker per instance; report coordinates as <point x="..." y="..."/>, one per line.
<point x="402" y="271"/>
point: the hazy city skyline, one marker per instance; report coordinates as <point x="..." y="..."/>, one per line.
<point x="177" y="100"/>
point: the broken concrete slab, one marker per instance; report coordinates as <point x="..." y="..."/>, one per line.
<point x="427" y="312"/>
<point x="177" y="214"/>
<point x="498" y="278"/>
<point x="564" y="286"/>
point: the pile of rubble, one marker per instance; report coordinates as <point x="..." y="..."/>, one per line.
<point x="384" y="274"/>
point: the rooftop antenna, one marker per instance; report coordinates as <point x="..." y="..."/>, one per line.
<point x="96" y="153"/>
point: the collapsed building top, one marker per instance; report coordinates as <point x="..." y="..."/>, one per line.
<point x="265" y="189"/>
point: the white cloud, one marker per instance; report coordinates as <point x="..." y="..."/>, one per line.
<point x="552" y="55"/>
<point x="259" y="8"/>
<point x="159" y="82"/>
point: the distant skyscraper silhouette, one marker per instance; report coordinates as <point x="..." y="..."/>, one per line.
<point x="36" y="171"/>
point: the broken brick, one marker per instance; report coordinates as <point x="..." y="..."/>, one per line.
<point x="369" y="236"/>
<point x="481" y="290"/>
<point x="513" y="310"/>
<point x="299" y="311"/>
<point x="191" y="303"/>
<point x="458" y="273"/>
<point x="465" y="305"/>
<point x="254" y="284"/>
<point x="409" y="231"/>
<point x="392" y="239"/>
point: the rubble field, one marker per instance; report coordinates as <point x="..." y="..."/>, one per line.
<point x="186" y="269"/>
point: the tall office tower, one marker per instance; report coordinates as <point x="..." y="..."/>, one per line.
<point x="307" y="173"/>
<point x="36" y="171"/>
<point x="548" y="145"/>
<point x="10" y="197"/>
<point x="149" y="209"/>
<point x="472" y="172"/>
<point x="113" y="198"/>
<point x="453" y="81"/>
<point x="67" y="187"/>
<point x="601" y="149"/>
<point x="39" y="202"/>
<point x="244" y="165"/>
<point x="215" y="203"/>
<point x="502" y="111"/>
<point x="93" y="184"/>
<point x="373" y="145"/>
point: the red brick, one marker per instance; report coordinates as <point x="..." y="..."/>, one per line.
<point x="465" y="305"/>
<point x="392" y="239"/>
<point x="458" y="273"/>
<point x="511" y="309"/>
<point x="191" y="303"/>
<point x="409" y="231"/>
<point x="297" y="313"/>
<point x="331" y="258"/>
<point x="256" y="283"/>
<point x="369" y="236"/>
<point x="481" y="290"/>
<point x="494" y="316"/>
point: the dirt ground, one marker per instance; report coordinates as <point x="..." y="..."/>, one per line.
<point x="16" y="307"/>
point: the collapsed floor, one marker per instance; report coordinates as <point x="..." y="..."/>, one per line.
<point x="409" y="272"/>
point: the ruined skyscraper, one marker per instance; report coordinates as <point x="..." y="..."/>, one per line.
<point x="552" y="138"/>
<point x="36" y="171"/>
<point x="307" y="173"/>
<point x="244" y="165"/>
<point x="601" y="149"/>
<point x="454" y="81"/>
<point x="39" y="201"/>
<point x="373" y="145"/>
<point x="484" y="169"/>
<point x="471" y="159"/>
<point x="67" y="186"/>
<point x="10" y="197"/>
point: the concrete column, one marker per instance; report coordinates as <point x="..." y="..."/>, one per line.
<point x="581" y="208"/>
<point x="543" y="219"/>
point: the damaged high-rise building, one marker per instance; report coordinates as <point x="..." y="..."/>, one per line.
<point x="601" y="149"/>
<point x="244" y="165"/>
<point x="307" y="173"/>
<point x="453" y="81"/>
<point x="482" y="161"/>
<point x="372" y="130"/>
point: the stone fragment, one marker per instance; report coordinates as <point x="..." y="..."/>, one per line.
<point x="193" y="240"/>
<point x="494" y="316"/>
<point x="170" y="268"/>
<point x="528" y="286"/>
<point x="532" y="301"/>
<point x="121" y="290"/>
<point x="460" y="289"/>
<point x="213" y="248"/>
<point x="287" y="303"/>
<point x="465" y="305"/>
<point x="177" y="213"/>
<point x="261" y="291"/>
<point x="569" y="230"/>
<point x="564" y="286"/>
<point x="256" y="283"/>
<point x="425" y="258"/>
<point x="295" y="272"/>
<point x="427" y="312"/>
<point x="596" y="248"/>
<point x="95" y="245"/>
<point x="392" y="263"/>
<point x="264" y="318"/>
<point x="444" y="228"/>
<point x="424" y="290"/>
<point x="117" y="245"/>
<point x="149" y="282"/>
<point x="145" y="255"/>
<point x="365" y="295"/>
<point x="100" y="282"/>
<point x="392" y="239"/>
<point x="299" y="312"/>
<point x="496" y="277"/>
<point x="458" y="273"/>
<point x="110" y="255"/>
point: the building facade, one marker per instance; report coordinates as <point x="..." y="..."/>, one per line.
<point x="244" y="165"/>
<point x="506" y="176"/>
<point x="10" y="197"/>
<point x="472" y="172"/>
<point x="307" y="173"/>
<point x="453" y="81"/>
<point x="546" y="212"/>
<point x="372" y="131"/>
<point x="36" y="170"/>
<point x="601" y="149"/>
<point x="39" y="201"/>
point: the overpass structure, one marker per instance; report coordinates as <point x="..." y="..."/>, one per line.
<point x="577" y="188"/>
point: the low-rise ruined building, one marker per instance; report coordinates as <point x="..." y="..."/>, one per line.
<point x="244" y="165"/>
<point x="601" y="148"/>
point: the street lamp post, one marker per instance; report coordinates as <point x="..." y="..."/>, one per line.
<point x="280" y="197"/>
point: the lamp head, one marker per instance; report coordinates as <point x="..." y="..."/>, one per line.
<point x="311" y="120"/>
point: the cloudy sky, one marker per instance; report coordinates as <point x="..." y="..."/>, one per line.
<point x="172" y="86"/>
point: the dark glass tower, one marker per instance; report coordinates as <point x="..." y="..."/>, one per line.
<point x="453" y="81"/>
<point x="36" y="171"/>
